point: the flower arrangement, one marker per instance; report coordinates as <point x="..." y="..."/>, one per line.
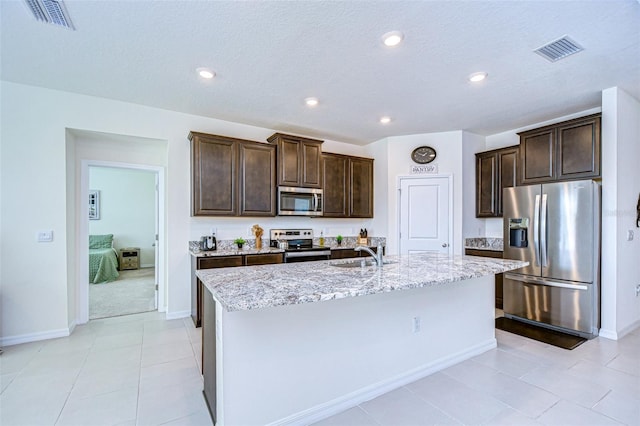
<point x="339" y="239"/>
<point x="240" y="242"/>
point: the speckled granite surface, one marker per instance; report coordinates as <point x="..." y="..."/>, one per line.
<point x="495" y="244"/>
<point x="255" y="287"/>
<point x="229" y="248"/>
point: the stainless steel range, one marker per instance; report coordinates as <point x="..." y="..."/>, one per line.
<point x="298" y="245"/>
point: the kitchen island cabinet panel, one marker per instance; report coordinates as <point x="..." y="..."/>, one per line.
<point x="209" y="353"/>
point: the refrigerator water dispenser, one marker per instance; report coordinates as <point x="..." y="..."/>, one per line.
<point x="518" y="230"/>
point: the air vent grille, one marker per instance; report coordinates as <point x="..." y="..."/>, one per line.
<point x="559" y="49"/>
<point x="50" y="11"/>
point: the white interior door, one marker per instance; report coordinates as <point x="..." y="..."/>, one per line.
<point x="425" y="215"/>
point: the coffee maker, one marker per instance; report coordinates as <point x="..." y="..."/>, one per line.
<point x="208" y="243"/>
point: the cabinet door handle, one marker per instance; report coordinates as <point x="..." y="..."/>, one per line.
<point x="445" y="245"/>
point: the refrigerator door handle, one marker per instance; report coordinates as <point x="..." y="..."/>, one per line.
<point x="536" y="229"/>
<point x="542" y="281"/>
<point x="544" y="258"/>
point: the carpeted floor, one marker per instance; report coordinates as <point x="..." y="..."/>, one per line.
<point x="133" y="292"/>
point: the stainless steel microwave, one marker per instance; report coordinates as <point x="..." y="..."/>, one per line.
<point x="294" y="201"/>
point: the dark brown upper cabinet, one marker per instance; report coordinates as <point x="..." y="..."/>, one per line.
<point x="495" y="170"/>
<point x="232" y="177"/>
<point x="563" y="151"/>
<point x="257" y="179"/>
<point x="348" y="186"/>
<point x="361" y="187"/>
<point x="335" y="171"/>
<point x="298" y="160"/>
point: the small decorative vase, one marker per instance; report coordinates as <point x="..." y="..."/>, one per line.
<point x="258" y="243"/>
<point x="240" y="246"/>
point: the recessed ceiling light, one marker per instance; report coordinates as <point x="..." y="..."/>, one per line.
<point x="311" y="102"/>
<point x="392" y="38"/>
<point x="477" y="76"/>
<point x="385" y="120"/>
<point x="205" y="73"/>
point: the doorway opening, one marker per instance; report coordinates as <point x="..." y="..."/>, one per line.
<point x="122" y="212"/>
<point x="130" y="210"/>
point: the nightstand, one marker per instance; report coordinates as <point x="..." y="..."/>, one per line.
<point x="129" y="258"/>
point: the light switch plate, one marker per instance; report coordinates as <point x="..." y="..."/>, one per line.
<point x="44" y="236"/>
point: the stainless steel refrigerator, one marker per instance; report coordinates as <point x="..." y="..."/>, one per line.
<point x="556" y="228"/>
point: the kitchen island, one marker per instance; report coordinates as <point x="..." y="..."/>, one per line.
<point x="273" y="355"/>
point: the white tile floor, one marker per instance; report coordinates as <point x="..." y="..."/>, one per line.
<point x="143" y="370"/>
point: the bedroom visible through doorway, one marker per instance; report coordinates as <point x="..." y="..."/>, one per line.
<point x="122" y="241"/>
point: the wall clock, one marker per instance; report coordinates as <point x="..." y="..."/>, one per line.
<point x="423" y="154"/>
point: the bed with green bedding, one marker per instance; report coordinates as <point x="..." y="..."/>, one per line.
<point x="103" y="259"/>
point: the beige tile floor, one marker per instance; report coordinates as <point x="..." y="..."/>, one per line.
<point x="143" y="370"/>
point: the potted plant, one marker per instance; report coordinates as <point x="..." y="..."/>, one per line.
<point x="339" y="239"/>
<point x="240" y="242"/>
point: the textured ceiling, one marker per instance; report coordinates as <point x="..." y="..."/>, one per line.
<point x="270" y="55"/>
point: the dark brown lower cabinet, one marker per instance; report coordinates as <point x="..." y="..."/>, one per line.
<point x="499" y="277"/>
<point x="196" y="284"/>
<point x="209" y="353"/>
<point x="348" y="253"/>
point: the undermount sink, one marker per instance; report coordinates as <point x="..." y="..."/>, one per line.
<point x="360" y="263"/>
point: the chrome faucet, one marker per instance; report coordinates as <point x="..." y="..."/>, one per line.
<point x="376" y="256"/>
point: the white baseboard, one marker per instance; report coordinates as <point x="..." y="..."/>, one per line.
<point x="35" y="337"/>
<point x="617" y="335"/>
<point x="608" y="334"/>
<point x="352" y="399"/>
<point x="178" y="315"/>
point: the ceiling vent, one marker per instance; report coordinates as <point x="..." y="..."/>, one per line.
<point x="559" y="49"/>
<point x="50" y="11"/>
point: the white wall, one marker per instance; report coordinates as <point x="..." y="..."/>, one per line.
<point x="620" y="192"/>
<point x="127" y="208"/>
<point x="397" y="150"/>
<point x="45" y="134"/>
<point x="471" y="225"/>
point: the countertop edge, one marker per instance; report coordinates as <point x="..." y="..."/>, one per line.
<point x="464" y="270"/>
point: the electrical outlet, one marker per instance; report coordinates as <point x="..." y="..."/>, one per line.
<point x="416" y="324"/>
<point x="638" y="290"/>
<point x="630" y="235"/>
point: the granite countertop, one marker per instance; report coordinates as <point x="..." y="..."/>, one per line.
<point x="235" y="251"/>
<point x="255" y="287"/>
<point x="231" y="250"/>
<point x="484" y="243"/>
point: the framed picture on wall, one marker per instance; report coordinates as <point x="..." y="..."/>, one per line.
<point x="94" y="205"/>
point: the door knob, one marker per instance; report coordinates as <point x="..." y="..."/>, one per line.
<point x="445" y="245"/>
